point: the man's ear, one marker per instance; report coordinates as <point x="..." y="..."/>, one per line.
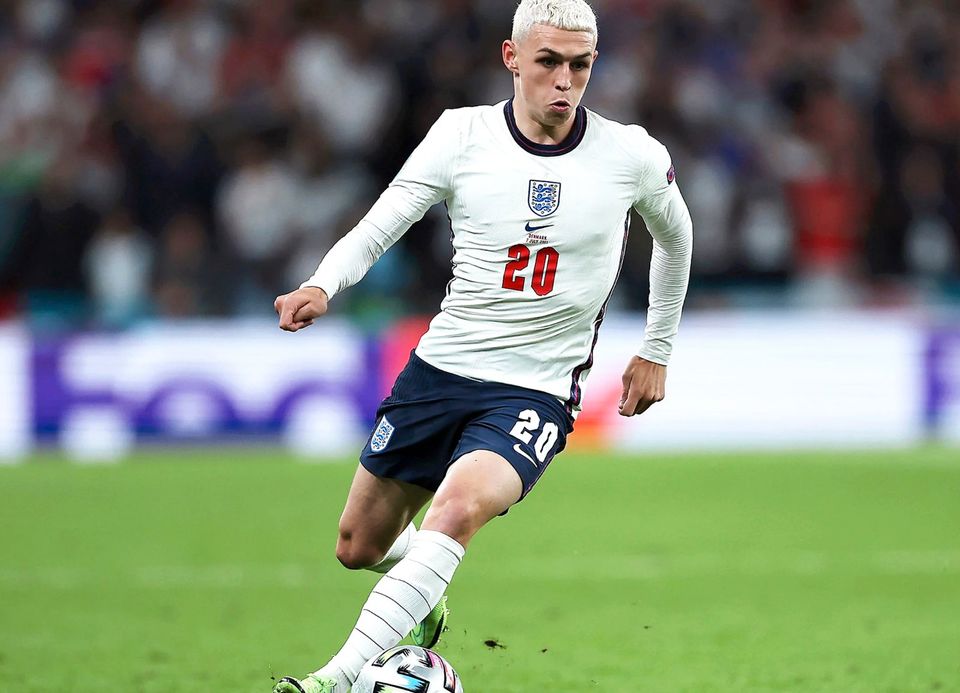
<point x="510" y="57"/>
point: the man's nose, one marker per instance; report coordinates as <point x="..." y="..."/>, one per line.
<point x="564" y="81"/>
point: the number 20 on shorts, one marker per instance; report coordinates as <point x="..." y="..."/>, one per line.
<point x="529" y="421"/>
<point x="544" y="269"/>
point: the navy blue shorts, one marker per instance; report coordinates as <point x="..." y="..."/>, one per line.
<point x="432" y="418"/>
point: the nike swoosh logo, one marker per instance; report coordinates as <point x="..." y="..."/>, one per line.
<point x="530" y="228"/>
<point x="518" y="449"/>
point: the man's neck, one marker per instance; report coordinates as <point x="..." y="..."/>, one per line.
<point x="536" y="131"/>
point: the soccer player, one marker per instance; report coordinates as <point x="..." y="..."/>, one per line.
<point x="539" y="191"/>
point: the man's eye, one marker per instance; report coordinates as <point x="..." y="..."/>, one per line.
<point x="580" y="66"/>
<point x="548" y="62"/>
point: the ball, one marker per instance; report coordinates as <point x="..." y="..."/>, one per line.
<point x="407" y="668"/>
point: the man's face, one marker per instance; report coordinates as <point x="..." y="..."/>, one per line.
<point x="551" y="68"/>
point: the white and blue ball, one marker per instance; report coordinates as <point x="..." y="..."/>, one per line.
<point x="407" y="669"/>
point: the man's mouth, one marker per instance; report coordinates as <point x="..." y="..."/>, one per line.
<point x="560" y="106"/>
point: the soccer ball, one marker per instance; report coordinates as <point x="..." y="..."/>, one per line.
<point x="406" y="669"/>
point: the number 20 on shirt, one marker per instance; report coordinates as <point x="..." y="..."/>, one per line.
<point x="544" y="269"/>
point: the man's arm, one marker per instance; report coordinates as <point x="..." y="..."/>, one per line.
<point x="668" y="220"/>
<point x="424" y="180"/>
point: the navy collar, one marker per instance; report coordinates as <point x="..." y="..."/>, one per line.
<point x="568" y="145"/>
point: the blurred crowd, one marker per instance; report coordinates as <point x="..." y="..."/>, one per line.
<point x="180" y="158"/>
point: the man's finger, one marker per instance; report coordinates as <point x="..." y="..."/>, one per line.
<point x="301" y="314"/>
<point x="287" y="321"/>
<point x="629" y="404"/>
<point x="643" y="405"/>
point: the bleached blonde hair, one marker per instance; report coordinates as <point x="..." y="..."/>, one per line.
<point x="570" y="15"/>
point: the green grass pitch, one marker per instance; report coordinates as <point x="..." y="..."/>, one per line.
<point x="214" y="571"/>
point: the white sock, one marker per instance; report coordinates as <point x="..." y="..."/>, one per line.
<point x="399" y="549"/>
<point x="399" y="601"/>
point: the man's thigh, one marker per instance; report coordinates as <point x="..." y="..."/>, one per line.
<point x="378" y="509"/>
<point x="478" y="486"/>
<point x="526" y="429"/>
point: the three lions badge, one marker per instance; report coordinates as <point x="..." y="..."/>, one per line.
<point x="544" y="198"/>
<point x="381" y="436"/>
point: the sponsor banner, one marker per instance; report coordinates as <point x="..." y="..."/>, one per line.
<point x="735" y="381"/>
<point x="769" y="380"/>
<point x="15" y="399"/>
<point x="941" y="411"/>
<point x="98" y="393"/>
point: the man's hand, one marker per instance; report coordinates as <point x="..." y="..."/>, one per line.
<point x="300" y="308"/>
<point x="644" y="384"/>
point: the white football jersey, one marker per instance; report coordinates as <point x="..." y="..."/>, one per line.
<point x="539" y="233"/>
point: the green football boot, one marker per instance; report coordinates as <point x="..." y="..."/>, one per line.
<point x="310" y="684"/>
<point x="427" y="633"/>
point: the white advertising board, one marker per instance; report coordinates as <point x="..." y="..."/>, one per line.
<point x="772" y="381"/>
<point x="15" y="400"/>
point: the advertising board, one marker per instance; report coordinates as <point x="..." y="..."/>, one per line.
<point x="15" y="397"/>
<point x="770" y="381"/>
<point x="736" y="381"/>
<point x="99" y="394"/>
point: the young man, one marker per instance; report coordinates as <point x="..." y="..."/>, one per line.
<point x="539" y="192"/>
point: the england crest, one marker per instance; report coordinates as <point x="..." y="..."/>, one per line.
<point x="544" y="197"/>
<point x="381" y="436"/>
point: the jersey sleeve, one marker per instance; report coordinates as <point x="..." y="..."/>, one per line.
<point x="665" y="213"/>
<point x="423" y="181"/>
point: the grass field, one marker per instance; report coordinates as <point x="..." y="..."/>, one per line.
<point x="761" y="572"/>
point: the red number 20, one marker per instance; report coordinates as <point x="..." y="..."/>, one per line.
<point x="544" y="269"/>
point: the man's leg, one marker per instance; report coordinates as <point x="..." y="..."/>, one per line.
<point x="376" y="527"/>
<point x="376" y="530"/>
<point x="374" y="534"/>
<point x="478" y="487"/>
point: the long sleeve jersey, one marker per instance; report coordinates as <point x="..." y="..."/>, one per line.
<point x="539" y="234"/>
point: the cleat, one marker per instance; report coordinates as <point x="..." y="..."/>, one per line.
<point x="427" y="633"/>
<point x="310" y="684"/>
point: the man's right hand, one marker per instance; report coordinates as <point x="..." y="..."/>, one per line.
<point x="300" y="308"/>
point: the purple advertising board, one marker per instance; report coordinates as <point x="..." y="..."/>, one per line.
<point x="209" y="381"/>
<point x="942" y="370"/>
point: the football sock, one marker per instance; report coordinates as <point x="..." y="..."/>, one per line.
<point x="400" y="600"/>
<point x="399" y="549"/>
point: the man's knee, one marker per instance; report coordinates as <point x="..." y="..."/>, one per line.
<point x="356" y="554"/>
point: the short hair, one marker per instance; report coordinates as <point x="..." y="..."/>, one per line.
<point x="570" y="15"/>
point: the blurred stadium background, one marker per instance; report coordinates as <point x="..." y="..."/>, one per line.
<point x="168" y="167"/>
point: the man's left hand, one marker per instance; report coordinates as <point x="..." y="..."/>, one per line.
<point x="644" y="384"/>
